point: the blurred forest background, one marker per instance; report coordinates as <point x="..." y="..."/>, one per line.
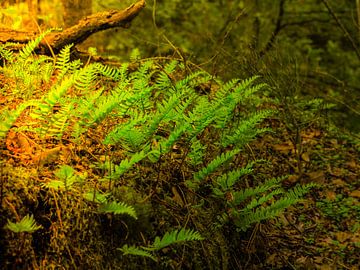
<point x="303" y="48"/>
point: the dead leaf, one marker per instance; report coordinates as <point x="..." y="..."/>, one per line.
<point x="326" y="267"/>
<point x="352" y="164"/>
<point x="342" y="236"/>
<point x="292" y="179"/>
<point x="330" y="195"/>
<point x="305" y="157"/>
<point x="317" y="176"/>
<point x="177" y="197"/>
<point x="355" y="193"/>
<point x="285" y="147"/>
<point x="339" y="182"/>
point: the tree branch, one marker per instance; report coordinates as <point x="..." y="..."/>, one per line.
<point x="277" y="29"/>
<point x="342" y="27"/>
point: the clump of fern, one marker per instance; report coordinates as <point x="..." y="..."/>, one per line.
<point x="161" y="133"/>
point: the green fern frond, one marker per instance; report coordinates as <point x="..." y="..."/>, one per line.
<point x="132" y="250"/>
<point x="244" y="220"/>
<point x="30" y="46"/>
<point x="170" y="238"/>
<point x="8" y="118"/>
<point x="227" y="181"/>
<point x="224" y="91"/>
<point x="163" y="109"/>
<point x="175" y="237"/>
<point x="126" y="164"/>
<point x="26" y="224"/>
<point x="174" y="136"/>
<point x="6" y="54"/>
<point x="108" y="71"/>
<point x="215" y="164"/>
<point x="263" y="199"/>
<point x="130" y="135"/>
<point x="95" y="196"/>
<point x="197" y="152"/>
<point x="85" y="77"/>
<point x="63" y="60"/>
<point x="117" y="208"/>
<point x="300" y="190"/>
<point x="50" y="100"/>
<point x="58" y="122"/>
<point x="66" y="179"/>
<point x="242" y="195"/>
<point x="247" y="216"/>
<point x="201" y="116"/>
<point x="163" y="81"/>
<point x="246" y="130"/>
<point x="99" y="108"/>
<point x="244" y="88"/>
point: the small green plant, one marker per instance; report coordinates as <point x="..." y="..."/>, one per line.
<point x="26" y="224"/>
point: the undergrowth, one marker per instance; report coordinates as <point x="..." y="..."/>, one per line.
<point x="113" y="157"/>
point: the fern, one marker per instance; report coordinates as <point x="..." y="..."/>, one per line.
<point x="97" y="197"/>
<point x="132" y="250"/>
<point x="85" y="77"/>
<point x="117" y="208"/>
<point x="175" y="237"/>
<point x="58" y="122"/>
<point x="107" y="71"/>
<point x="170" y="238"/>
<point x="66" y="178"/>
<point x="197" y="152"/>
<point x="30" y="46"/>
<point x="126" y="164"/>
<point x="8" y="118"/>
<point x="6" y="54"/>
<point x="26" y="224"/>
<point x="215" y="164"/>
<point x="246" y="130"/>
<point x="242" y="195"/>
<point x="226" y="181"/>
<point x="255" y="211"/>
<point x="62" y="61"/>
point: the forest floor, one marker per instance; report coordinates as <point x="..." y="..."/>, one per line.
<point x="323" y="231"/>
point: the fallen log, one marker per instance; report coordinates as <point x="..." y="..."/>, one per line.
<point x="79" y="32"/>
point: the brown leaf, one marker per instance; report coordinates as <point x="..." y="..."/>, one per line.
<point x="285" y="147"/>
<point x="355" y="193"/>
<point x="352" y="164"/>
<point x="177" y="197"/>
<point x="339" y="182"/>
<point x="343" y="236"/>
<point x="306" y="157"/>
<point x="330" y="195"/>
<point x="317" y="176"/>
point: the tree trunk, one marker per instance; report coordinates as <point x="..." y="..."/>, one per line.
<point x="74" y="10"/>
